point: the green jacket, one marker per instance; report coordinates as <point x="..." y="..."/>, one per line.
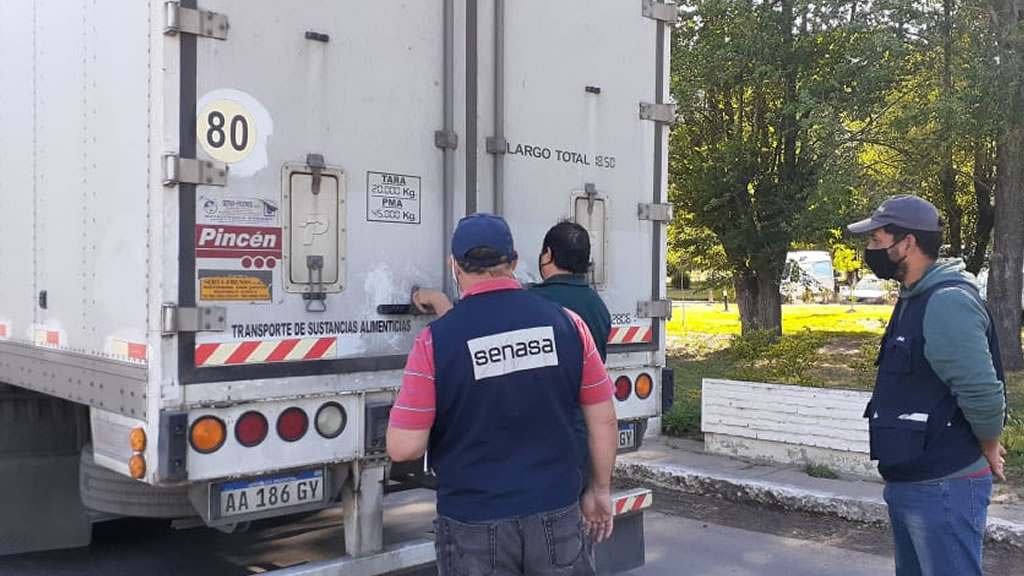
<point x="574" y="292"/>
<point x="956" y="346"/>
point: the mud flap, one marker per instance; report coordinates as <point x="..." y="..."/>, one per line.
<point x="625" y="550"/>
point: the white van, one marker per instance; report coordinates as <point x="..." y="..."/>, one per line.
<point x="808" y="273"/>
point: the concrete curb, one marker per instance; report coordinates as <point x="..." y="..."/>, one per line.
<point x="1004" y="531"/>
<point x="760" y="492"/>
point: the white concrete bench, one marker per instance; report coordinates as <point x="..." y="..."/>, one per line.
<point x="787" y="424"/>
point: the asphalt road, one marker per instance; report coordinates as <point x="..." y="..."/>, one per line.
<point x="684" y="535"/>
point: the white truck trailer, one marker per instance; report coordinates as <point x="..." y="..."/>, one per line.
<point x="212" y="217"/>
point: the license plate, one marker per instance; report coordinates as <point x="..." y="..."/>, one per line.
<point x="627" y="435"/>
<point x="249" y="496"/>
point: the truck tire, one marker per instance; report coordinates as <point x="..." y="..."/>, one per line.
<point x="110" y="492"/>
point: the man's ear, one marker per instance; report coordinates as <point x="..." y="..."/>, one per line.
<point x="453" y="265"/>
<point x="912" y="243"/>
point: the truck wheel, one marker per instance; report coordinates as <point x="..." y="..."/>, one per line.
<point x="110" y="492"/>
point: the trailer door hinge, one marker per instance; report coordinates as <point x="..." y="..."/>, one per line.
<point x="192" y="21"/>
<point x="655" y="212"/>
<point x="666" y="12"/>
<point x="446" y="140"/>
<point x="192" y="171"/>
<point x="175" y="320"/>
<point x="654" y="309"/>
<point x="663" y="113"/>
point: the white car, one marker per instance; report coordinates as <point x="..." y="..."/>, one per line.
<point x="871" y="290"/>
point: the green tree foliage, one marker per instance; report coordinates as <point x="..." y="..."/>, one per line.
<point x="774" y="97"/>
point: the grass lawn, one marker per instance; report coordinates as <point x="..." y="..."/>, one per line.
<point x="699" y="338"/>
<point x="842" y="319"/>
<point x="698" y="293"/>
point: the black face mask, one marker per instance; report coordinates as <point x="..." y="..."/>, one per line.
<point x="879" y="262"/>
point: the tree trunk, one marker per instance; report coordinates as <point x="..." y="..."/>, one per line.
<point x="759" y="302"/>
<point x="983" y="168"/>
<point x="954" y="213"/>
<point x="769" y="305"/>
<point x="1004" y="282"/>
<point x="947" y="173"/>
<point x="747" y="302"/>
<point x="787" y="173"/>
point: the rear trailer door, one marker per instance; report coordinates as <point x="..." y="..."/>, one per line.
<point x="582" y="141"/>
<point x="324" y="115"/>
<point x="579" y="133"/>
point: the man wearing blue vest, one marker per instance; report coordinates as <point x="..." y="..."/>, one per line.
<point x="938" y="407"/>
<point x="563" y="264"/>
<point x="492" y="388"/>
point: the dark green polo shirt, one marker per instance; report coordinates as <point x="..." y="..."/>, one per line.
<point x="574" y="292"/>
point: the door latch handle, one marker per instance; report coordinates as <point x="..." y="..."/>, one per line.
<point x="316" y="293"/>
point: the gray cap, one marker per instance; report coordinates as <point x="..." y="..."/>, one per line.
<point x="905" y="211"/>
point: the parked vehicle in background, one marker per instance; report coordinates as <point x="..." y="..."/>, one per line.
<point x="808" y="277"/>
<point x="870" y="290"/>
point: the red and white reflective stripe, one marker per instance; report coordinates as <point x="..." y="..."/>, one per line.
<point x="260" y="352"/>
<point x="631" y="501"/>
<point x="630" y="335"/>
<point x="5" y="331"/>
<point x="129" y="350"/>
<point x="46" y="338"/>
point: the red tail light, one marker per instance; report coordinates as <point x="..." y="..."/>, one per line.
<point x="623" y="387"/>
<point x="292" y="424"/>
<point x="251" y="429"/>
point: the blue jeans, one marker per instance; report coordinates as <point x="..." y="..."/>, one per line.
<point x="938" y="527"/>
<point x="540" y="545"/>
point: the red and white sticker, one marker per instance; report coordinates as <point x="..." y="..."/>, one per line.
<point x="632" y="501"/>
<point x="266" y="352"/>
<point x="231" y="242"/>
<point x="48" y="338"/>
<point x="630" y="335"/>
<point x="128" y="350"/>
<point x="5" y="330"/>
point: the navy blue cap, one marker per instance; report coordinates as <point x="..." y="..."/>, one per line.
<point x="906" y="211"/>
<point x="483" y="230"/>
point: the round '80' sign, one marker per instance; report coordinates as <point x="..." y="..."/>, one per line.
<point x="226" y="131"/>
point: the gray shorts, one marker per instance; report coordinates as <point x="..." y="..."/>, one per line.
<point x="539" y="545"/>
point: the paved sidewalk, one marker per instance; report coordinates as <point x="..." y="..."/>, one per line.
<point x="677" y="464"/>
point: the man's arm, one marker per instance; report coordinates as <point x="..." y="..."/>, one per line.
<point x="602" y="439"/>
<point x="596" y="393"/>
<point x="964" y="363"/>
<point x="596" y="504"/>
<point x="604" y="329"/>
<point x="412" y="416"/>
<point x="406" y="445"/>
<point x="994" y="453"/>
